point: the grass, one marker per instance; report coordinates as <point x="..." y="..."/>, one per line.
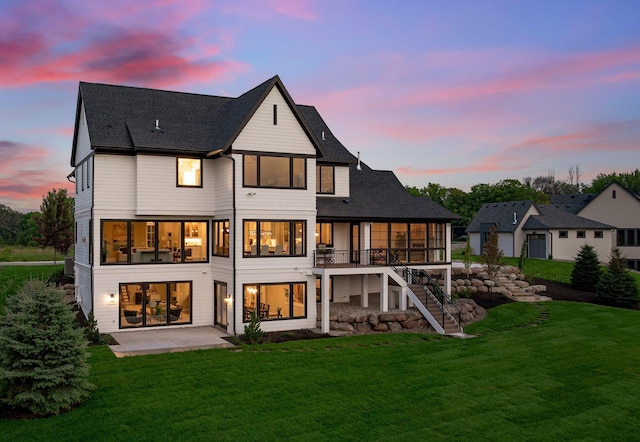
<point x="553" y="371"/>
<point x="24" y="254"/>
<point x="11" y="277"/>
<point x="559" y="271"/>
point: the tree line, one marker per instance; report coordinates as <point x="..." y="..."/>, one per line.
<point x="51" y="227"/>
<point x="538" y="189"/>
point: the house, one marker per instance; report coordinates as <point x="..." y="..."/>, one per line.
<point x="549" y="231"/>
<point x="618" y="206"/>
<point x="198" y="210"/>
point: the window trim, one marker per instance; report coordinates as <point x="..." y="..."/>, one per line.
<point x="319" y="179"/>
<point x="225" y="235"/>
<point x="258" y="156"/>
<point x="292" y="237"/>
<point x="129" y="246"/>
<point x="563" y="234"/>
<point x="189" y="186"/>
<point x="428" y="250"/>
<point x="598" y="234"/>
<point x="122" y="322"/>
<point x="258" y="285"/>
<point x="581" y="234"/>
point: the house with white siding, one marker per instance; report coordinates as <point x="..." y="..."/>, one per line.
<point x="549" y="231"/>
<point x="198" y="210"/>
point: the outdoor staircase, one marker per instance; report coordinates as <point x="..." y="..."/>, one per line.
<point x="434" y="304"/>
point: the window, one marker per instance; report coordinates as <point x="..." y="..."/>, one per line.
<point x="325" y="179"/>
<point x="189" y="172"/>
<point x="274" y="171"/>
<point x="581" y="234"/>
<point x="563" y="234"/>
<point x="149" y="304"/>
<point x="147" y="242"/>
<point x="221" y="238"/>
<point x="598" y="234"/>
<point x="324" y="233"/>
<point x="410" y="242"/>
<point x="628" y="237"/>
<point x="319" y="289"/>
<point x="275" y="114"/>
<point x="274" y="238"/>
<point x="275" y="301"/>
<point x="613" y="194"/>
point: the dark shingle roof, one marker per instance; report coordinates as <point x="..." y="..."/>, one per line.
<point x="572" y="203"/>
<point x="334" y="150"/>
<point x="378" y="195"/>
<point x="552" y="217"/>
<point x="500" y="214"/>
<point x="122" y="119"/>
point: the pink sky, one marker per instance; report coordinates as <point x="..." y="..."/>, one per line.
<point x="431" y="90"/>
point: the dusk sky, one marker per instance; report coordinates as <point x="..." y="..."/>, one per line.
<point x="451" y="92"/>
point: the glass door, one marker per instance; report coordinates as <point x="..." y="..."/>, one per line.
<point x="220" y="306"/>
<point x="355" y="242"/>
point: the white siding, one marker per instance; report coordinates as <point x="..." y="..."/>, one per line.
<point x="157" y="192"/>
<point x="115" y="183"/>
<point x="106" y="280"/>
<point x="622" y="212"/>
<point x="260" y="134"/>
<point x="505" y="243"/>
<point x="566" y="249"/>
<point x="83" y="287"/>
<point x="83" y="146"/>
<point x="342" y="181"/>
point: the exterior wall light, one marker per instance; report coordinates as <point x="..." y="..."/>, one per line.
<point x="112" y="298"/>
<point x="228" y="299"/>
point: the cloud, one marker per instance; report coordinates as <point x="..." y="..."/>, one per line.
<point x="134" y="50"/>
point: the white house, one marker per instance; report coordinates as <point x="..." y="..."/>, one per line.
<point x="197" y="210"/>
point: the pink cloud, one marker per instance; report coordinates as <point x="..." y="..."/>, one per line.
<point x="622" y="77"/>
<point x="299" y="9"/>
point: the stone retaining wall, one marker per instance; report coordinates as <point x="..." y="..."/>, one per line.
<point x="397" y="320"/>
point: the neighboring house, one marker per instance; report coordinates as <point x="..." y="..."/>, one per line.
<point x="549" y="231"/>
<point x="196" y="210"/>
<point x="619" y="207"/>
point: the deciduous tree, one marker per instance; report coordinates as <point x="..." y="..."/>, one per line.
<point x="55" y="221"/>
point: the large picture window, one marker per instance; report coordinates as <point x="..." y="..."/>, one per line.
<point x="221" y="238"/>
<point x="275" y="301"/>
<point x="147" y="304"/>
<point x="153" y="242"/>
<point x="189" y="172"/>
<point x="324" y="234"/>
<point x="274" y="238"/>
<point x="274" y="171"/>
<point x="410" y="242"/>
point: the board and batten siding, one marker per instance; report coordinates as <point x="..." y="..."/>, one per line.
<point x="157" y="192"/>
<point x="287" y="136"/>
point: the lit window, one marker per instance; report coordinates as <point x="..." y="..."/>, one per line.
<point x="324" y="179"/>
<point x="189" y="172"/>
<point x="274" y="171"/>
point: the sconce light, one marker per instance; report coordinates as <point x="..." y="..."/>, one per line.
<point x="228" y="299"/>
<point x="112" y="298"/>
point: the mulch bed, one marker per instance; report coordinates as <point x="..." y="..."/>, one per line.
<point x="559" y="291"/>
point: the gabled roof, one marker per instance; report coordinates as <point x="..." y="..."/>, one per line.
<point x="502" y="215"/>
<point x="572" y="203"/>
<point x="122" y="119"/>
<point x="378" y="195"/>
<point x="335" y="152"/>
<point x="552" y="217"/>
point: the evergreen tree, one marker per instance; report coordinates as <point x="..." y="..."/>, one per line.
<point x="43" y="366"/>
<point x="617" y="287"/>
<point x="586" y="270"/>
<point x="55" y="222"/>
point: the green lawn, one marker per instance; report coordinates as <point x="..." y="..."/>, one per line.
<point x="17" y="253"/>
<point x="553" y="371"/>
<point x="11" y="277"/>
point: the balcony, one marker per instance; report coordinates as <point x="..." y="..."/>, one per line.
<point x="330" y="257"/>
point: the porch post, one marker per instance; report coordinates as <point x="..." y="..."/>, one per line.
<point x="403" y="298"/>
<point x="324" y="301"/>
<point x="364" y="286"/>
<point x="384" y="292"/>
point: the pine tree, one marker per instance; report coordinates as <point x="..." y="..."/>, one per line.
<point x="43" y="366"/>
<point x="617" y="287"/>
<point x="586" y="271"/>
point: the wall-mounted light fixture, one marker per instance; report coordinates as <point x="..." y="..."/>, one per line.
<point x="112" y="298"/>
<point x="228" y="299"/>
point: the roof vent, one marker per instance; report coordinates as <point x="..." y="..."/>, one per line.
<point x="323" y="138"/>
<point x="157" y="128"/>
<point x="346" y="201"/>
<point x="358" y="167"/>
<point x="515" y="218"/>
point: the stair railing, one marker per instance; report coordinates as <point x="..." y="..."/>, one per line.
<point x="433" y="289"/>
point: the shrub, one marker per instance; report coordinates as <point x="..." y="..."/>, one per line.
<point x="617" y="286"/>
<point x="586" y="270"/>
<point x="42" y="353"/>
<point x="252" y="331"/>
